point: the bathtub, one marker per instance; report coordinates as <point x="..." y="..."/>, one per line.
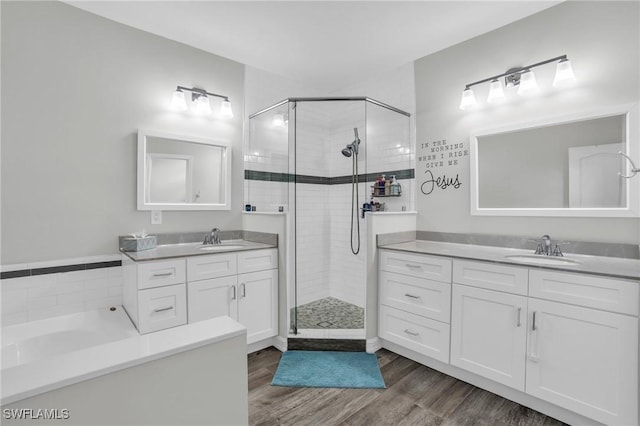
<point x="95" y="365"/>
<point x="31" y="341"/>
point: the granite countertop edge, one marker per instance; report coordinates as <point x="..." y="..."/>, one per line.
<point x="174" y="251"/>
<point x="620" y="268"/>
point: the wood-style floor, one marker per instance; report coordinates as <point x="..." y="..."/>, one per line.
<point x="415" y="395"/>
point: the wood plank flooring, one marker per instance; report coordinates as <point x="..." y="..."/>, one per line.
<point x="415" y="395"/>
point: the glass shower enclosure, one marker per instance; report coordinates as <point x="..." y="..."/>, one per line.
<point x="317" y="160"/>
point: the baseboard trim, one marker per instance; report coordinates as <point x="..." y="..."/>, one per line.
<point x="265" y="343"/>
<point x="374" y="345"/>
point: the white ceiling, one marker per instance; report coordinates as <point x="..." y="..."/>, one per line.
<point x="326" y="44"/>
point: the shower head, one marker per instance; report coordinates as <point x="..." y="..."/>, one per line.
<point x="352" y="148"/>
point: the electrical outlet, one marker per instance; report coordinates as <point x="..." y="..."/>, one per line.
<point x="156" y="217"/>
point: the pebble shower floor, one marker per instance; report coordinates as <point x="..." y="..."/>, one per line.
<point x="330" y="313"/>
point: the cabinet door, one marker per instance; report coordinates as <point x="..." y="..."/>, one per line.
<point x="584" y="360"/>
<point x="488" y="334"/>
<point x="212" y="298"/>
<point x="258" y="304"/>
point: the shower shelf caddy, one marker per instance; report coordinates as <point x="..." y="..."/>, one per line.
<point x="373" y="192"/>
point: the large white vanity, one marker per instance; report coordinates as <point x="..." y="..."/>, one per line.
<point x="560" y="339"/>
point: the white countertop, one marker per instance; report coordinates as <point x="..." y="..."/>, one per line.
<point x="169" y="251"/>
<point x="608" y="266"/>
<point x="27" y="380"/>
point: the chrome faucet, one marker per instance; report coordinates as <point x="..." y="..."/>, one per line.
<point x="546" y="244"/>
<point x="544" y="247"/>
<point x="212" y="237"/>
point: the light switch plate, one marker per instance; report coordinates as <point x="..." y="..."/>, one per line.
<point x="156" y="217"/>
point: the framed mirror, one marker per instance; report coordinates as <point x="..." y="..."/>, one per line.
<point x="580" y="165"/>
<point x="179" y="172"/>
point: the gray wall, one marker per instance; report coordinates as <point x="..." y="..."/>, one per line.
<point x="75" y="89"/>
<point x="602" y="41"/>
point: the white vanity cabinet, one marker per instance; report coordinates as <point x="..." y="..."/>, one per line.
<point x="584" y="356"/>
<point x="569" y="339"/>
<point x="242" y="285"/>
<point x="154" y="294"/>
<point x="415" y="301"/>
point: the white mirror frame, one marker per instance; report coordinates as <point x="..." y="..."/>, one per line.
<point x="632" y="148"/>
<point x="142" y="172"/>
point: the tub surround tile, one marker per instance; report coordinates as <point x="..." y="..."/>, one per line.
<point x="37" y="269"/>
<point x="37" y="297"/>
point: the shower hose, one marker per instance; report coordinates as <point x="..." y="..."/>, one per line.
<point x="354" y="203"/>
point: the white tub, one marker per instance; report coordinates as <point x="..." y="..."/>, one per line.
<point x="97" y="368"/>
<point x="28" y="342"/>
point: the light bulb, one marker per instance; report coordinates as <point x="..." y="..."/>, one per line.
<point x="528" y="84"/>
<point x="278" y="120"/>
<point x="178" y="101"/>
<point x="564" y="74"/>
<point x="495" y="92"/>
<point x="225" y="109"/>
<point x="468" y="99"/>
<point x="202" y="105"/>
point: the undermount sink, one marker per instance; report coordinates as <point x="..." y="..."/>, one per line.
<point x="542" y="260"/>
<point x="219" y="247"/>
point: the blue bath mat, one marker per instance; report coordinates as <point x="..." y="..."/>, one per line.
<point x="327" y="369"/>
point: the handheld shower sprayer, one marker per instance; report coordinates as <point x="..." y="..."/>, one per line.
<point x="353" y="146"/>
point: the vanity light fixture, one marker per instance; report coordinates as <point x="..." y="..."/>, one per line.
<point x="496" y="93"/>
<point x="200" y="99"/>
<point x="523" y="77"/>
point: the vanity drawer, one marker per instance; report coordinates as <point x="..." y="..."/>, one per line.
<point x="431" y="267"/>
<point x="420" y="296"/>
<point x="211" y="266"/>
<point x="161" y="308"/>
<point x="604" y="293"/>
<point x="510" y="279"/>
<point x="423" y="335"/>
<point x="158" y="274"/>
<point x="257" y="260"/>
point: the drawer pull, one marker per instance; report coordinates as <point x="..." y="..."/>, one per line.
<point x="409" y="265"/>
<point x="411" y="333"/>
<point x="164" y="274"/>
<point x="167" y="308"/>
<point x="411" y="296"/>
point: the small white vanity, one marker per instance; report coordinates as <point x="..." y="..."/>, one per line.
<point x="176" y="284"/>
<point x="561" y="340"/>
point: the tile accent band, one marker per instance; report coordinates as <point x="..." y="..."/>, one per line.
<point x="321" y="180"/>
<point x="56" y="269"/>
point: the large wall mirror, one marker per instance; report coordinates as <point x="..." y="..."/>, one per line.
<point x="177" y="172"/>
<point x="569" y="166"/>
